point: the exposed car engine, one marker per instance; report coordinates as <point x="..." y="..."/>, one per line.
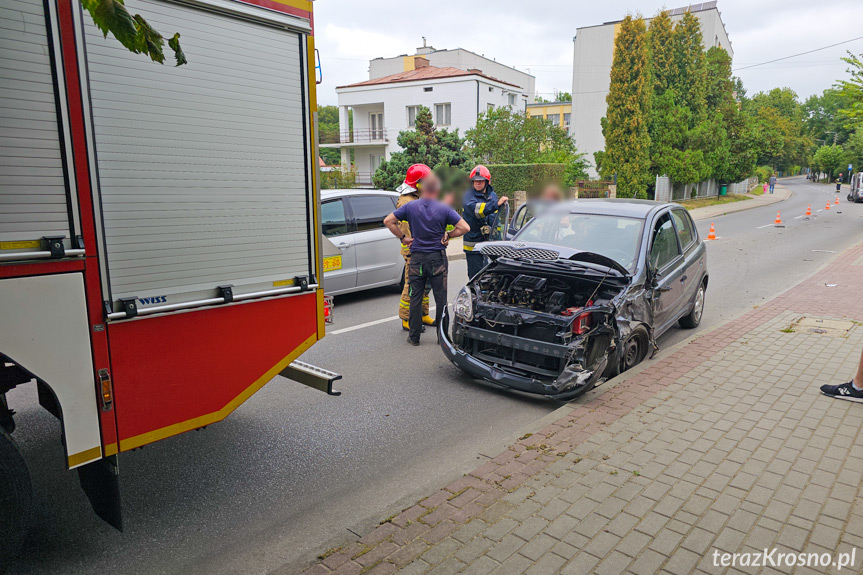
<point x="549" y="294"/>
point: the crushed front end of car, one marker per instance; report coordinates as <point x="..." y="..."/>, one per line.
<point x="538" y="324"/>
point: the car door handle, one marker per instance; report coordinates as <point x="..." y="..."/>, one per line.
<point x="343" y="246"/>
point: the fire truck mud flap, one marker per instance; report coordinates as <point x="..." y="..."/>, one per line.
<point x="313" y="376"/>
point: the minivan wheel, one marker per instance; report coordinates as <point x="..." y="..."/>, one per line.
<point x="634" y="348"/>
<point x="16" y="500"/>
<point x="693" y="318"/>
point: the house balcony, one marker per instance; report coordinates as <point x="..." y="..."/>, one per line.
<point x="353" y="138"/>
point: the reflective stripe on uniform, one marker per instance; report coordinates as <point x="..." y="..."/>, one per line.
<point x="479" y="209"/>
<point x="468" y="246"/>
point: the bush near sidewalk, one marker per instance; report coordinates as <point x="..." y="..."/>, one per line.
<point x="509" y="178"/>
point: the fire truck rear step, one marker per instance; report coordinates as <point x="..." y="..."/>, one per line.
<point x="313" y="376"/>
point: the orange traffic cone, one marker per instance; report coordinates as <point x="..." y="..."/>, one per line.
<point x="712" y="234"/>
<point x="827" y="207"/>
<point x="808" y="209"/>
<point x="837" y="201"/>
<point x="778" y="220"/>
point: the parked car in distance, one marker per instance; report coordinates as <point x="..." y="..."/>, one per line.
<point x="855" y="193"/>
<point x="369" y="256"/>
<point x="580" y="294"/>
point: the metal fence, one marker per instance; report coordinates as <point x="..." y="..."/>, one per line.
<point x="668" y="191"/>
<point x="353" y="136"/>
<point x="593" y="189"/>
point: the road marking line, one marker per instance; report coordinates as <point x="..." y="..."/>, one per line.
<point x="368" y="324"/>
<point x="766" y="226"/>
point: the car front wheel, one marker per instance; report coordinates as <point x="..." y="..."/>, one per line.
<point x="634" y="348"/>
<point x="693" y="318"/>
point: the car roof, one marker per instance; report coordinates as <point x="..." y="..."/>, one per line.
<point x="327" y="194"/>
<point x="624" y="207"/>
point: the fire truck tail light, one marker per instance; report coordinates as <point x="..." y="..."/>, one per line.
<point x="106" y="393"/>
<point x="328" y="309"/>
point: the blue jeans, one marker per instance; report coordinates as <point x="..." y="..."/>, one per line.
<point x="771" y="188"/>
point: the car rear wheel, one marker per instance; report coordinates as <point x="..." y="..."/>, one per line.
<point x="634" y="348"/>
<point x="693" y="318"/>
<point x="16" y="500"/>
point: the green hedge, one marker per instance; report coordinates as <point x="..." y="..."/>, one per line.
<point x="532" y="178"/>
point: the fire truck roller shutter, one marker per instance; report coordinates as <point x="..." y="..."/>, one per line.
<point x="33" y="200"/>
<point x="203" y="169"/>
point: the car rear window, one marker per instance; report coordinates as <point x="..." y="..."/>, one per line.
<point x="615" y="237"/>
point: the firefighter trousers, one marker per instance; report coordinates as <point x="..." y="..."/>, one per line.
<point x="405" y="303"/>
<point x="428" y="270"/>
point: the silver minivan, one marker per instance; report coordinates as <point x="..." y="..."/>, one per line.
<point x="369" y="256"/>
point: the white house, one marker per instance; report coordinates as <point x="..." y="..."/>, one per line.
<point x="382" y="107"/>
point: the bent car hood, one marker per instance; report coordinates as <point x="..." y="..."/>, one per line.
<point x="539" y="251"/>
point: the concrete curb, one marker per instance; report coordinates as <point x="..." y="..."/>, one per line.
<point x="780" y="195"/>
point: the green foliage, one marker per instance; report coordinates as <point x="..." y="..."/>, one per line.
<point x="504" y="136"/>
<point x="689" y="66"/>
<point x="763" y="173"/>
<point x="854" y="149"/>
<point x="133" y="32"/>
<point x="778" y="120"/>
<point x="532" y="178"/>
<point x="830" y="160"/>
<point x="339" y="179"/>
<point x="328" y="124"/>
<point x="823" y="119"/>
<point x="852" y="90"/>
<point x="627" y="140"/>
<point x="661" y="53"/>
<point x="423" y="145"/>
<point x="564" y="97"/>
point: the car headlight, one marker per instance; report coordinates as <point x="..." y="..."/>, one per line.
<point x="463" y="305"/>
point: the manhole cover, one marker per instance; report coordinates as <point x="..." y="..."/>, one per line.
<point x="814" y="325"/>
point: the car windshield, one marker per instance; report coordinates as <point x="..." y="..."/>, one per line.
<point x="615" y="237"/>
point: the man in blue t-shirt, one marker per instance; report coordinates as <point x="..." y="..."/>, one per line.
<point x="428" y="219"/>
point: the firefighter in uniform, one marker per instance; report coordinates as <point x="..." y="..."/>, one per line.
<point x="480" y="205"/>
<point x="408" y="192"/>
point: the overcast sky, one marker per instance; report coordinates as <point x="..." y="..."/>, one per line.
<point x="537" y="36"/>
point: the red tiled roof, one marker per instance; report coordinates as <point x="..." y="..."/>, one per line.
<point x="426" y="73"/>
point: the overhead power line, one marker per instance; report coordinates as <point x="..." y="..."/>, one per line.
<point x="800" y="54"/>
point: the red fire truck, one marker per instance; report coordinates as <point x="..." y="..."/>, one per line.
<point x="160" y="259"/>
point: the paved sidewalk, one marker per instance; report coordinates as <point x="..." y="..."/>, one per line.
<point x="724" y="443"/>
<point x="780" y="193"/>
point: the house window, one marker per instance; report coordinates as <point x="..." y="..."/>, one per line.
<point x="554" y="119"/>
<point x="490" y="107"/>
<point x="376" y="125"/>
<point x="566" y="120"/>
<point x="375" y="162"/>
<point x="442" y="114"/>
<point x="490" y="89"/>
<point x="510" y="99"/>
<point x="412" y="115"/>
<point x="429" y="89"/>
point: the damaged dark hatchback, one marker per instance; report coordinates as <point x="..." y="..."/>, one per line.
<point x="580" y="294"/>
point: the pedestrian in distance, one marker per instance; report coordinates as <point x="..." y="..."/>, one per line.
<point x="851" y="391"/>
<point x="838" y="184"/>
<point x="428" y="218"/>
<point x="409" y="191"/>
<point x="772" y="182"/>
<point x="480" y="206"/>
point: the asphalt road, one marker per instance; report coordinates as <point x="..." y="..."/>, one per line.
<point x="293" y="471"/>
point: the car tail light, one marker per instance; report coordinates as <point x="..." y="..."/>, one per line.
<point x="328" y="309"/>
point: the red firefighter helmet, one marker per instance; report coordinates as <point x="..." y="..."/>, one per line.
<point x="480" y="173"/>
<point x="412" y="179"/>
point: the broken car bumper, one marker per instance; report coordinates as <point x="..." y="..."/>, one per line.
<point x="576" y="384"/>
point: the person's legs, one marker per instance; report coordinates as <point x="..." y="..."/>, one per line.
<point x="418" y="274"/>
<point x="405" y="301"/>
<point x="474" y="263"/>
<point x="852" y="391"/>
<point x="440" y="272"/>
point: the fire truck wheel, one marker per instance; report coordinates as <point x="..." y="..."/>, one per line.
<point x="16" y="500"/>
